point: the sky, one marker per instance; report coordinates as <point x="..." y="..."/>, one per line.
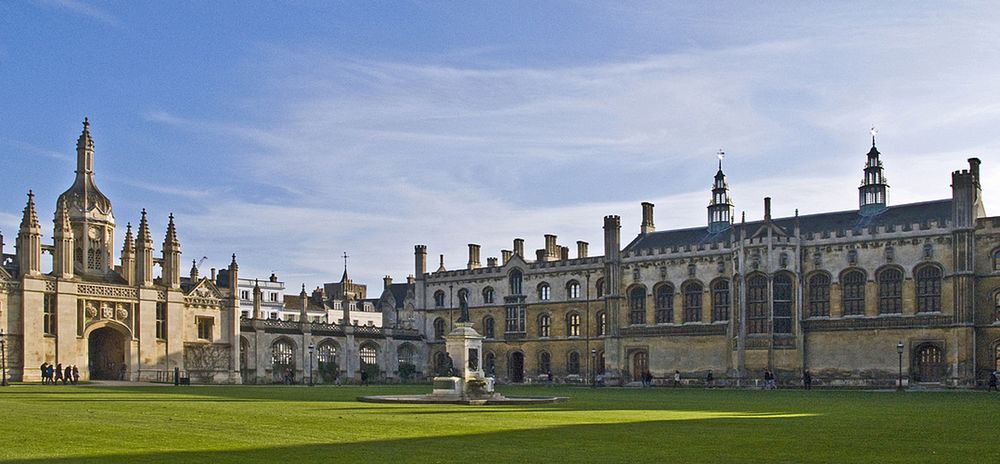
<point x="292" y="132"/>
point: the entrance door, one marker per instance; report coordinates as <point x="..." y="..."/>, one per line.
<point x="930" y="364"/>
<point x="640" y="364"/>
<point x="106" y="352"/>
<point x="516" y="367"/>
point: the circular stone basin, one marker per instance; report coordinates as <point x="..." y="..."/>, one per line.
<point x="454" y="399"/>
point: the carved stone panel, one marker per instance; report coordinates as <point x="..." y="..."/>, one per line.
<point x="207" y="356"/>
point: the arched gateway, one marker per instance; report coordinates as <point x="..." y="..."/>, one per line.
<point x="107" y="354"/>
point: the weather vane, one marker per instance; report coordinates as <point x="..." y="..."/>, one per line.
<point x="721" y="155"/>
<point x="873" y="132"/>
<point x="345" y="261"/>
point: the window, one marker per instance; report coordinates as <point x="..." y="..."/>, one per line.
<point x="490" y="364"/>
<point x="692" y="302"/>
<point x="439" y="299"/>
<point x="544" y="363"/>
<point x="205" y="327"/>
<point x="544" y="325"/>
<point x="544" y="292"/>
<point x="245" y="295"/>
<point x="928" y="289"/>
<point x="273" y="296"/>
<point x="282" y="357"/>
<point x="515" y="282"/>
<point x="161" y="321"/>
<point x="602" y="322"/>
<point x="637" y="306"/>
<point x="573" y="363"/>
<point x="757" y="304"/>
<point x="573" y="289"/>
<point x="488" y="295"/>
<point x="782" y="303"/>
<point x="369" y="355"/>
<point x="49" y="313"/>
<point x="405" y="354"/>
<point x="573" y="325"/>
<point x="819" y="295"/>
<point x="599" y="285"/>
<point x="489" y="327"/>
<point x="996" y="260"/>
<point x="515" y="319"/>
<point x="996" y="306"/>
<point x="244" y="314"/>
<point x="720" y="300"/>
<point x="326" y="357"/>
<point x="439" y="329"/>
<point x="665" y="304"/>
<point x="890" y="291"/>
<point x="854" y="293"/>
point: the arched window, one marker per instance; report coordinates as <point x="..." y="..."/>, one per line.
<point x="665" y="304"/>
<point x="996" y="260"/>
<point x="692" y="302"/>
<point x="488" y="295"/>
<point x="368" y="354"/>
<point x="602" y="322"/>
<point x="819" y="295"/>
<point x="928" y="289"/>
<point x="853" y="286"/>
<point x="326" y="353"/>
<point x="573" y="325"/>
<point x="637" y="306"/>
<point x="439" y="328"/>
<point x="544" y="325"/>
<point x="573" y="290"/>
<point x="996" y="306"/>
<point x="282" y="359"/>
<point x="599" y="285"/>
<point x="890" y="291"/>
<point x="439" y="299"/>
<point x="782" y="303"/>
<point x="490" y="364"/>
<point x="516" y="280"/>
<point x="544" y="363"/>
<point x="720" y="300"/>
<point x="441" y="363"/>
<point x="489" y="327"/>
<point x="406" y="354"/>
<point x="544" y="291"/>
<point x="573" y="363"/>
<point x="757" y="304"/>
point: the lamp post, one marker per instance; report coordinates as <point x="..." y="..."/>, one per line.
<point x="590" y="366"/>
<point x="3" y="359"/>
<point x="593" y="362"/>
<point x="311" y="348"/>
<point x="899" y="381"/>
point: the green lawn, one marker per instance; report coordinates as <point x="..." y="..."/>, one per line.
<point x="324" y="424"/>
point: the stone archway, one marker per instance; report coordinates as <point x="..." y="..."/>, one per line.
<point x="516" y="367"/>
<point x="106" y="354"/>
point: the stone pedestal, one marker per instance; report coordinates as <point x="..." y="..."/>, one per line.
<point x="465" y="348"/>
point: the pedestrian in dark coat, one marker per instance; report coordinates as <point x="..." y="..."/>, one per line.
<point x="59" y="372"/>
<point x="45" y="372"/>
<point x="76" y="374"/>
<point x="807" y="380"/>
<point x="993" y="381"/>
<point x="67" y="375"/>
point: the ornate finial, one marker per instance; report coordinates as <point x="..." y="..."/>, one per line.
<point x="721" y="154"/>
<point x="30" y="218"/>
<point x="171" y="238"/>
<point x="873" y="132"/>
<point x="143" y="233"/>
<point x="86" y="123"/>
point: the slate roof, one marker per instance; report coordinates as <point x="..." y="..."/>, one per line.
<point x="399" y="293"/>
<point x="894" y="216"/>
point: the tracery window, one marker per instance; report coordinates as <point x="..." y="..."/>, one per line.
<point x="757" y="304"/>
<point x="692" y="302"/>
<point x="890" y="291"/>
<point x="439" y="299"/>
<point x="928" y="289"/>
<point x="544" y="292"/>
<point x="602" y="323"/>
<point x="720" y="300"/>
<point x="489" y="327"/>
<point x="161" y="321"/>
<point x="573" y="325"/>
<point x="544" y="363"/>
<point x="516" y="279"/>
<point x="573" y="290"/>
<point x="637" y="306"/>
<point x="439" y="328"/>
<point x="488" y="295"/>
<point x="782" y="303"/>
<point x="853" y="290"/>
<point x="544" y="325"/>
<point x="369" y="355"/>
<point x="573" y="363"/>
<point x="599" y="285"/>
<point x="819" y="295"/>
<point x="282" y="356"/>
<point x="665" y="304"/>
<point x="49" y="313"/>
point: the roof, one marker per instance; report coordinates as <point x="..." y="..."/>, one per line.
<point x="939" y="211"/>
<point x="399" y="293"/>
<point x="294" y="302"/>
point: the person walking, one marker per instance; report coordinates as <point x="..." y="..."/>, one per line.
<point x="807" y="380"/>
<point x="48" y="373"/>
<point x="67" y="375"/>
<point x="709" y="380"/>
<point x="59" y="373"/>
<point x="45" y="372"/>
<point x="993" y="382"/>
<point x="677" y="378"/>
<point x="76" y="374"/>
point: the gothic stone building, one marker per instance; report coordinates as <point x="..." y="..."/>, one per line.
<point x="831" y="293"/>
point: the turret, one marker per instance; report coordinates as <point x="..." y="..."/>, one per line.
<point x="171" y="256"/>
<point x="90" y="215"/>
<point x="62" y="235"/>
<point x="420" y="261"/>
<point x="304" y="309"/>
<point x="29" y="240"/>
<point x="234" y="274"/>
<point x="612" y="254"/>
<point x="194" y="270"/>
<point x="873" y="194"/>
<point x="720" y="208"/>
<point x="128" y="256"/>
<point x="967" y="196"/>
<point x="143" y="254"/>
<point x="257" y="312"/>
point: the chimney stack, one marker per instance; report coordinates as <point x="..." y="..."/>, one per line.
<point x="647" y="226"/>
<point x="564" y="253"/>
<point x="581" y="249"/>
<point x="505" y="254"/>
<point x="551" y="249"/>
<point x="540" y="255"/>
<point x="491" y="262"/>
<point x="767" y="208"/>
<point x="213" y="275"/>
<point x="519" y="247"/>
<point x="473" y="256"/>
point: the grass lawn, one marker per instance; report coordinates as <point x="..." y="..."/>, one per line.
<point x="96" y="424"/>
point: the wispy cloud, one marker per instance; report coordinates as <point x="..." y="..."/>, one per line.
<point x="81" y="8"/>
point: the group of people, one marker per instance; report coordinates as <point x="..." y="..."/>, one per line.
<point x="769" y="380"/>
<point x="52" y="375"/>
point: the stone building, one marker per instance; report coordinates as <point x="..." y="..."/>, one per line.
<point x="831" y="293"/>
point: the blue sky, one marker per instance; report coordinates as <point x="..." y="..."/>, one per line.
<point x="289" y="133"/>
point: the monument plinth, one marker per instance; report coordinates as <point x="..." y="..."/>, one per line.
<point x="466" y="380"/>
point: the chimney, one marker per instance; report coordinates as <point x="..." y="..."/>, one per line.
<point x="386" y="282"/>
<point x="491" y="262"/>
<point x="273" y="278"/>
<point x="540" y="255"/>
<point x="564" y="253"/>
<point x="551" y="249"/>
<point x="647" y="226"/>
<point x="420" y="257"/>
<point x="441" y="267"/>
<point x="581" y="249"/>
<point x="612" y="237"/>
<point x="519" y="247"/>
<point x="213" y="275"/>
<point x="318" y="293"/>
<point x="974" y="169"/>
<point x="505" y="254"/>
<point x="767" y="208"/>
<point x="410" y="280"/>
<point x="473" y="256"/>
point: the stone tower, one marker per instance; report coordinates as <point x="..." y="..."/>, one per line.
<point x="873" y="194"/>
<point x="720" y="209"/>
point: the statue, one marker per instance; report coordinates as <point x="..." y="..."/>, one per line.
<point x="463" y="307"/>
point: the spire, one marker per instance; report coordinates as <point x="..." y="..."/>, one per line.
<point x="873" y="194"/>
<point x="233" y="264"/>
<point x="344" y="278"/>
<point x="171" y="238"/>
<point x="62" y="225"/>
<point x="30" y="218"/>
<point x="194" y="270"/>
<point x="129" y="246"/>
<point x="720" y="208"/>
<point x="303" y="293"/>
<point x="143" y="233"/>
